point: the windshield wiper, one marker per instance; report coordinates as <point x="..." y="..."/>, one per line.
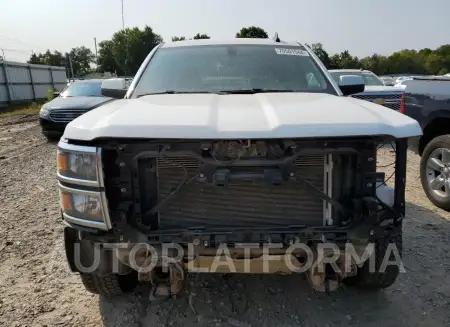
<point x="176" y="92"/>
<point x="255" y="90"/>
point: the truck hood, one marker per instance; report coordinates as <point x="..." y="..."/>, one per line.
<point x="240" y="116"/>
<point x="80" y="102"/>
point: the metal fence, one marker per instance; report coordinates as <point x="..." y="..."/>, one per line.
<point x="20" y="81"/>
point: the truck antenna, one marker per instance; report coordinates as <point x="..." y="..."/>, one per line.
<point x="276" y="38"/>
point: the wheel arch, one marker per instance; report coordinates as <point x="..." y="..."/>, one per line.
<point x="436" y="127"/>
<point x="86" y="251"/>
<point x="70" y="238"/>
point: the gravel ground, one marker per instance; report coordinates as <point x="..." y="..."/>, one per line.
<point x="36" y="288"/>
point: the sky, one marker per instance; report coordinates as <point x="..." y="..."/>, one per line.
<point x="361" y="26"/>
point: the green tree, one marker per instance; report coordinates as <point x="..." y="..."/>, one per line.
<point x="444" y="71"/>
<point x="127" y="50"/>
<point x="348" y="61"/>
<point x="444" y="52"/>
<point x="49" y="58"/>
<point x="376" y="63"/>
<point x="34" y="59"/>
<point x="335" y="62"/>
<point x="81" y="58"/>
<point x="199" y="36"/>
<point x="407" y="61"/>
<point x="106" y="60"/>
<point x="320" y="52"/>
<point x="252" y="32"/>
<point x="434" y="63"/>
<point x="425" y="52"/>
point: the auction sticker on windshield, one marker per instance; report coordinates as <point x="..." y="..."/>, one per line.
<point x="291" y="52"/>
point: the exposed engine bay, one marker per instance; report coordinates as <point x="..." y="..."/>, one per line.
<point x="241" y="149"/>
<point x="241" y="183"/>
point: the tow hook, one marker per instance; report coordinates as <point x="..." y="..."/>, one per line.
<point x="164" y="284"/>
<point x="323" y="275"/>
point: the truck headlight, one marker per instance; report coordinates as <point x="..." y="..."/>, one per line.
<point x="79" y="165"/>
<point x="80" y="174"/>
<point x="83" y="207"/>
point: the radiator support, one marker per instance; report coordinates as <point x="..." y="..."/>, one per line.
<point x="243" y="202"/>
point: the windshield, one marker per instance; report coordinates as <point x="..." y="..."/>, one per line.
<point x="83" y="89"/>
<point x="221" y="68"/>
<point x="369" y="78"/>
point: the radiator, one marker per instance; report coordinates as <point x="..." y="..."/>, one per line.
<point x="241" y="203"/>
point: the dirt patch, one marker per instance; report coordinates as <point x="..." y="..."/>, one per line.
<point x="36" y="288"/>
<point x="18" y="136"/>
<point x="18" y="119"/>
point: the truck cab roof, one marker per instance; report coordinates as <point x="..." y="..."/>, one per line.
<point x="236" y="41"/>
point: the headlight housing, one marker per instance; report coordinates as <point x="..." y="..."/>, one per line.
<point x="44" y="113"/>
<point x="82" y="207"/>
<point x="82" y="196"/>
<point x="79" y="165"/>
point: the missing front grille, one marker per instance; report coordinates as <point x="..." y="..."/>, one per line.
<point x="242" y="203"/>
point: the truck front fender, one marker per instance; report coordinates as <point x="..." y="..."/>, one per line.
<point x="87" y="256"/>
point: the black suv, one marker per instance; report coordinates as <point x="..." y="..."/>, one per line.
<point x="76" y="99"/>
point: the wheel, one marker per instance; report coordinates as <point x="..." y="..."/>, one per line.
<point x="435" y="171"/>
<point x="110" y="285"/>
<point x="375" y="280"/>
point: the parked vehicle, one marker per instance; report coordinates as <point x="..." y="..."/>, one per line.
<point x="401" y="78"/>
<point x="213" y="149"/>
<point x="375" y="91"/>
<point x="403" y="83"/>
<point x="76" y="99"/>
<point x="427" y="99"/>
<point x="388" y="81"/>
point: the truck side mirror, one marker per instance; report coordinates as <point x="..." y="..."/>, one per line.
<point x="351" y="84"/>
<point x="114" y="88"/>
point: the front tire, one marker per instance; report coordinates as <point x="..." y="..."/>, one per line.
<point x="109" y="285"/>
<point x="435" y="171"/>
<point x="375" y="280"/>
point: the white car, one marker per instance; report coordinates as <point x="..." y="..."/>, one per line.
<point x="245" y="150"/>
<point x="401" y="78"/>
<point x="388" y="81"/>
<point x="402" y="84"/>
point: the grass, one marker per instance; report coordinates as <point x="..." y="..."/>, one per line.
<point x="21" y="109"/>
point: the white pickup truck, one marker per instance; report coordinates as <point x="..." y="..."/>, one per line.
<point x="227" y="146"/>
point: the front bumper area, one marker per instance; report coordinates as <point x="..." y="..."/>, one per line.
<point x="51" y="128"/>
<point x="264" y="251"/>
